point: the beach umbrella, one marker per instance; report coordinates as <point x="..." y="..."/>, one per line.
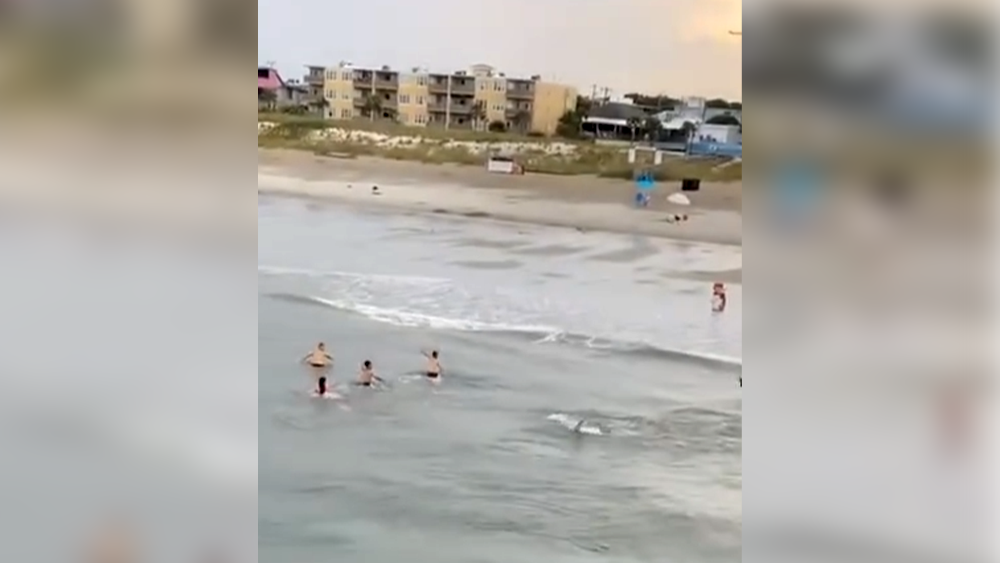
<point x="679" y="199"/>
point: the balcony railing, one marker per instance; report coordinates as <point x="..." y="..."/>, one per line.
<point x="455" y="109"/>
<point x="520" y="92"/>
<point x="462" y="86"/>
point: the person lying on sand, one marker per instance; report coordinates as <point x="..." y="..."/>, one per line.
<point x="318" y="358"/>
<point x="434" y="370"/>
<point x="367" y="377"/>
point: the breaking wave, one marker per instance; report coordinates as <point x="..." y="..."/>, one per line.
<point x="539" y="334"/>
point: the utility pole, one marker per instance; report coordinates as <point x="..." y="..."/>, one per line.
<point x="447" y="106"/>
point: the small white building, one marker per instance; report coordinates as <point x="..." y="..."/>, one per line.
<point x="718" y="134"/>
<point x="503" y="165"/>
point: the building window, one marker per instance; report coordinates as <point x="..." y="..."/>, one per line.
<point x="421" y="81"/>
<point x="498" y="86"/>
<point x="346" y="113"/>
<point x="345" y="95"/>
<point x="404" y="99"/>
<point x="420" y="100"/>
<point x="346" y="77"/>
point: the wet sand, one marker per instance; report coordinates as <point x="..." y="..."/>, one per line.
<point x="583" y="203"/>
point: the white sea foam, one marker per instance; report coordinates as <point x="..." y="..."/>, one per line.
<point x="412" y="319"/>
<point x="576" y="425"/>
<point x="439" y="303"/>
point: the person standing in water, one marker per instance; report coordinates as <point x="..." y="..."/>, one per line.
<point x="719" y="298"/>
<point x="367" y="377"/>
<point x="434" y="370"/>
<point x="319" y="359"/>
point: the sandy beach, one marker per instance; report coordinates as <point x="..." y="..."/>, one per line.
<point x="583" y="203"/>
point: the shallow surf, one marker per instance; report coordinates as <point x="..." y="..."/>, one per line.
<point x="491" y="464"/>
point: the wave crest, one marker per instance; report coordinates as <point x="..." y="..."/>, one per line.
<point x="539" y="334"/>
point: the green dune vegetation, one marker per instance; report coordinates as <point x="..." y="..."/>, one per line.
<point x="537" y="155"/>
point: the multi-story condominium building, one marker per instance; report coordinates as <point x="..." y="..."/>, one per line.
<point x="459" y="100"/>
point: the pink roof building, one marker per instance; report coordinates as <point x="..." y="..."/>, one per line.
<point x="268" y="79"/>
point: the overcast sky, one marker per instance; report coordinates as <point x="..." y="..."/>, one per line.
<point x="677" y="47"/>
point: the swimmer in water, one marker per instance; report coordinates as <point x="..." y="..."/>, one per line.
<point x="319" y="359"/>
<point x="321" y="388"/>
<point x="434" y="370"/>
<point x="367" y="377"/>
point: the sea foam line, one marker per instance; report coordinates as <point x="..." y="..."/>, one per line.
<point x="411" y="319"/>
<point x="540" y="334"/>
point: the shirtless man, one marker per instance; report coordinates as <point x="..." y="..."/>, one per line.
<point x="367" y="377"/>
<point x="433" y="370"/>
<point x="319" y="359"/>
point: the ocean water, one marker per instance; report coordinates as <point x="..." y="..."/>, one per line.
<point x="127" y="391"/>
<point x="539" y="329"/>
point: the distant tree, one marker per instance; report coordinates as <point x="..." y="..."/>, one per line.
<point x="583" y="107"/>
<point x="297" y="109"/>
<point x="719" y="103"/>
<point x="478" y="115"/>
<point x="689" y="128"/>
<point x="522" y="121"/>
<point x="268" y="99"/>
<point x="651" y="129"/>
<point x="570" y="125"/>
<point x="635" y="126"/>
<point x="372" y="106"/>
<point x="319" y="105"/>
<point x="497" y="127"/>
<point x="724" y="119"/>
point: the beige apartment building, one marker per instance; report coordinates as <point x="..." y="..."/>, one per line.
<point x="459" y="100"/>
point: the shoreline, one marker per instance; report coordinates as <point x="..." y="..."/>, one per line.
<point x="581" y="203"/>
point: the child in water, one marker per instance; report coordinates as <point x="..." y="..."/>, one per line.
<point x="322" y="390"/>
<point x="367" y="378"/>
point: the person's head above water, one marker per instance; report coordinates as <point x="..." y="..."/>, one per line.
<point x="434" y="354"/>
<point x="321" y="346"/>
<point x="367" y="364"/>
